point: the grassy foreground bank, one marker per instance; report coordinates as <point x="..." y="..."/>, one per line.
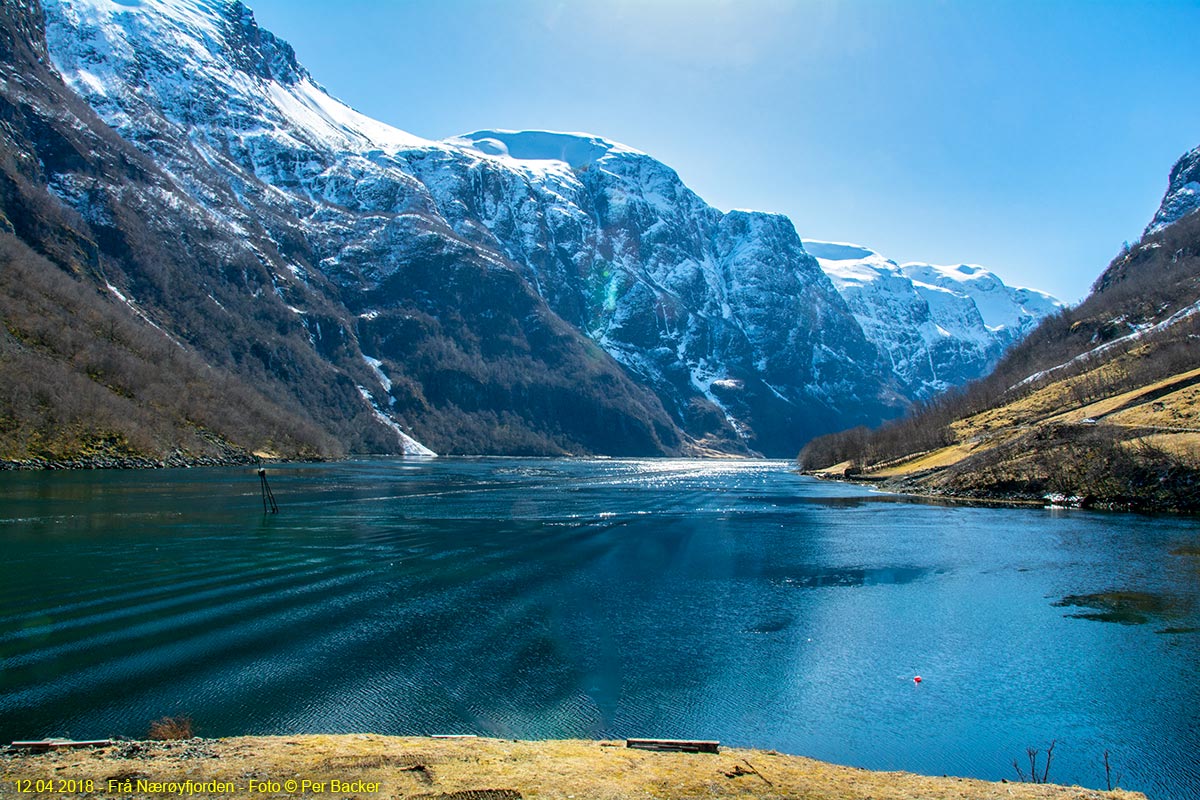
<point x="369" y="766"/>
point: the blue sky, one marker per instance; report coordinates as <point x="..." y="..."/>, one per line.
<point x="1030" y="137"/>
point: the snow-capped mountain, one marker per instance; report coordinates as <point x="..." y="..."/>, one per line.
<point x="725" y="316"/>
<point x="1183" y="192"/>
<point x="498" y="291"/>
<point x="939" y="326"/>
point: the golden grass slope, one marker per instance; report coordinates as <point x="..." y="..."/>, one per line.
<point x="1036" y="440"/>
<point x="486" y="769"/>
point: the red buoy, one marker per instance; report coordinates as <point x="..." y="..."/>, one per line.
<point x="917" y="679"/>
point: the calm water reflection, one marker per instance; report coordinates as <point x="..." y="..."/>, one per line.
<point x="526" y="598"/>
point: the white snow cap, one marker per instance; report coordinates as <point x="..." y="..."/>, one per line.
<point x="195" y="33"/>
<point x="1001" y="305"/>
<point x="574" y="149"/>
<point x="838" y="251"/>
<point x="849" y="264"/>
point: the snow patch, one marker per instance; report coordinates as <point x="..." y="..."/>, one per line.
<point x="410" y="446"/>
<point x="838" y="251"/>
<point x="93" y="83"/>
<point x="703" y="379"/>
<point x="309" y="108"/>
<point x="377" y="367"/>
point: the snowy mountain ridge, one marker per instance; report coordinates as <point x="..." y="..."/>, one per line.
<point x="940" y="326"/>
<point x="1008" y="310"/>
<point x="736" y="329"/>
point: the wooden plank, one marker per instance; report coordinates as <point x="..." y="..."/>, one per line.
<point x="48" y="743"/>
<point x="675" y="745"/>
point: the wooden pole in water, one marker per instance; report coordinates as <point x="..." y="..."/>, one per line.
<point x="267" y="495"/>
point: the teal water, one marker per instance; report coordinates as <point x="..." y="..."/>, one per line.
<point x="603" y="598"/>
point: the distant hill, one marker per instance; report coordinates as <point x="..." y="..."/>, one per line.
<point x="1100" y="405"/>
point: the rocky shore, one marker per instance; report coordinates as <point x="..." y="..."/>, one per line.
<point x="129" y="462"/>
<point x="911" y="487"/>
<point x="1158" y="483"/>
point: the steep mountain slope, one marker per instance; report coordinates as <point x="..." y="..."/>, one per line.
<point x="724" y="308"/>
<point x="939" y="326"/>
<point x="1098" y="406"/>
<point x="718" y="312"/>
<point x="88" y="373"/>
<point x="231" y="281"/>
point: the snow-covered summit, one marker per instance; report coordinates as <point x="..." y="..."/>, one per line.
<point x="1003" y="307"/>
<point x="573" y="149"/>
<point x="999" y="305"/>
<point x="840" y="251"/>
<point x="939" y="325"/>
<point x="205" y="63"/>
<point x="850" y="264"/>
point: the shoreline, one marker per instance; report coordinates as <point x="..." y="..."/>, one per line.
<point x="902" y="488"/>
<point x="84" y="463"/>
<point x="471" y="768"/>
<point x="906" y="486"/>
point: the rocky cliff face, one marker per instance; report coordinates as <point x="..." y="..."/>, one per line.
<point x="725" y="315"/>
<point x="1183" y="192"/>
<point x="517" y="292"/>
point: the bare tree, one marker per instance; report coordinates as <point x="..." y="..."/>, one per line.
<point x="1032" y="753"/>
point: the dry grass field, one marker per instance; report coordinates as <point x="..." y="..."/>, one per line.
<point x="1059" y="439"/>
<point x="369" y="766"/>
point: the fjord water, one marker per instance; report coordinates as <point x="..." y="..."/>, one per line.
<point x="729" y="600"/>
